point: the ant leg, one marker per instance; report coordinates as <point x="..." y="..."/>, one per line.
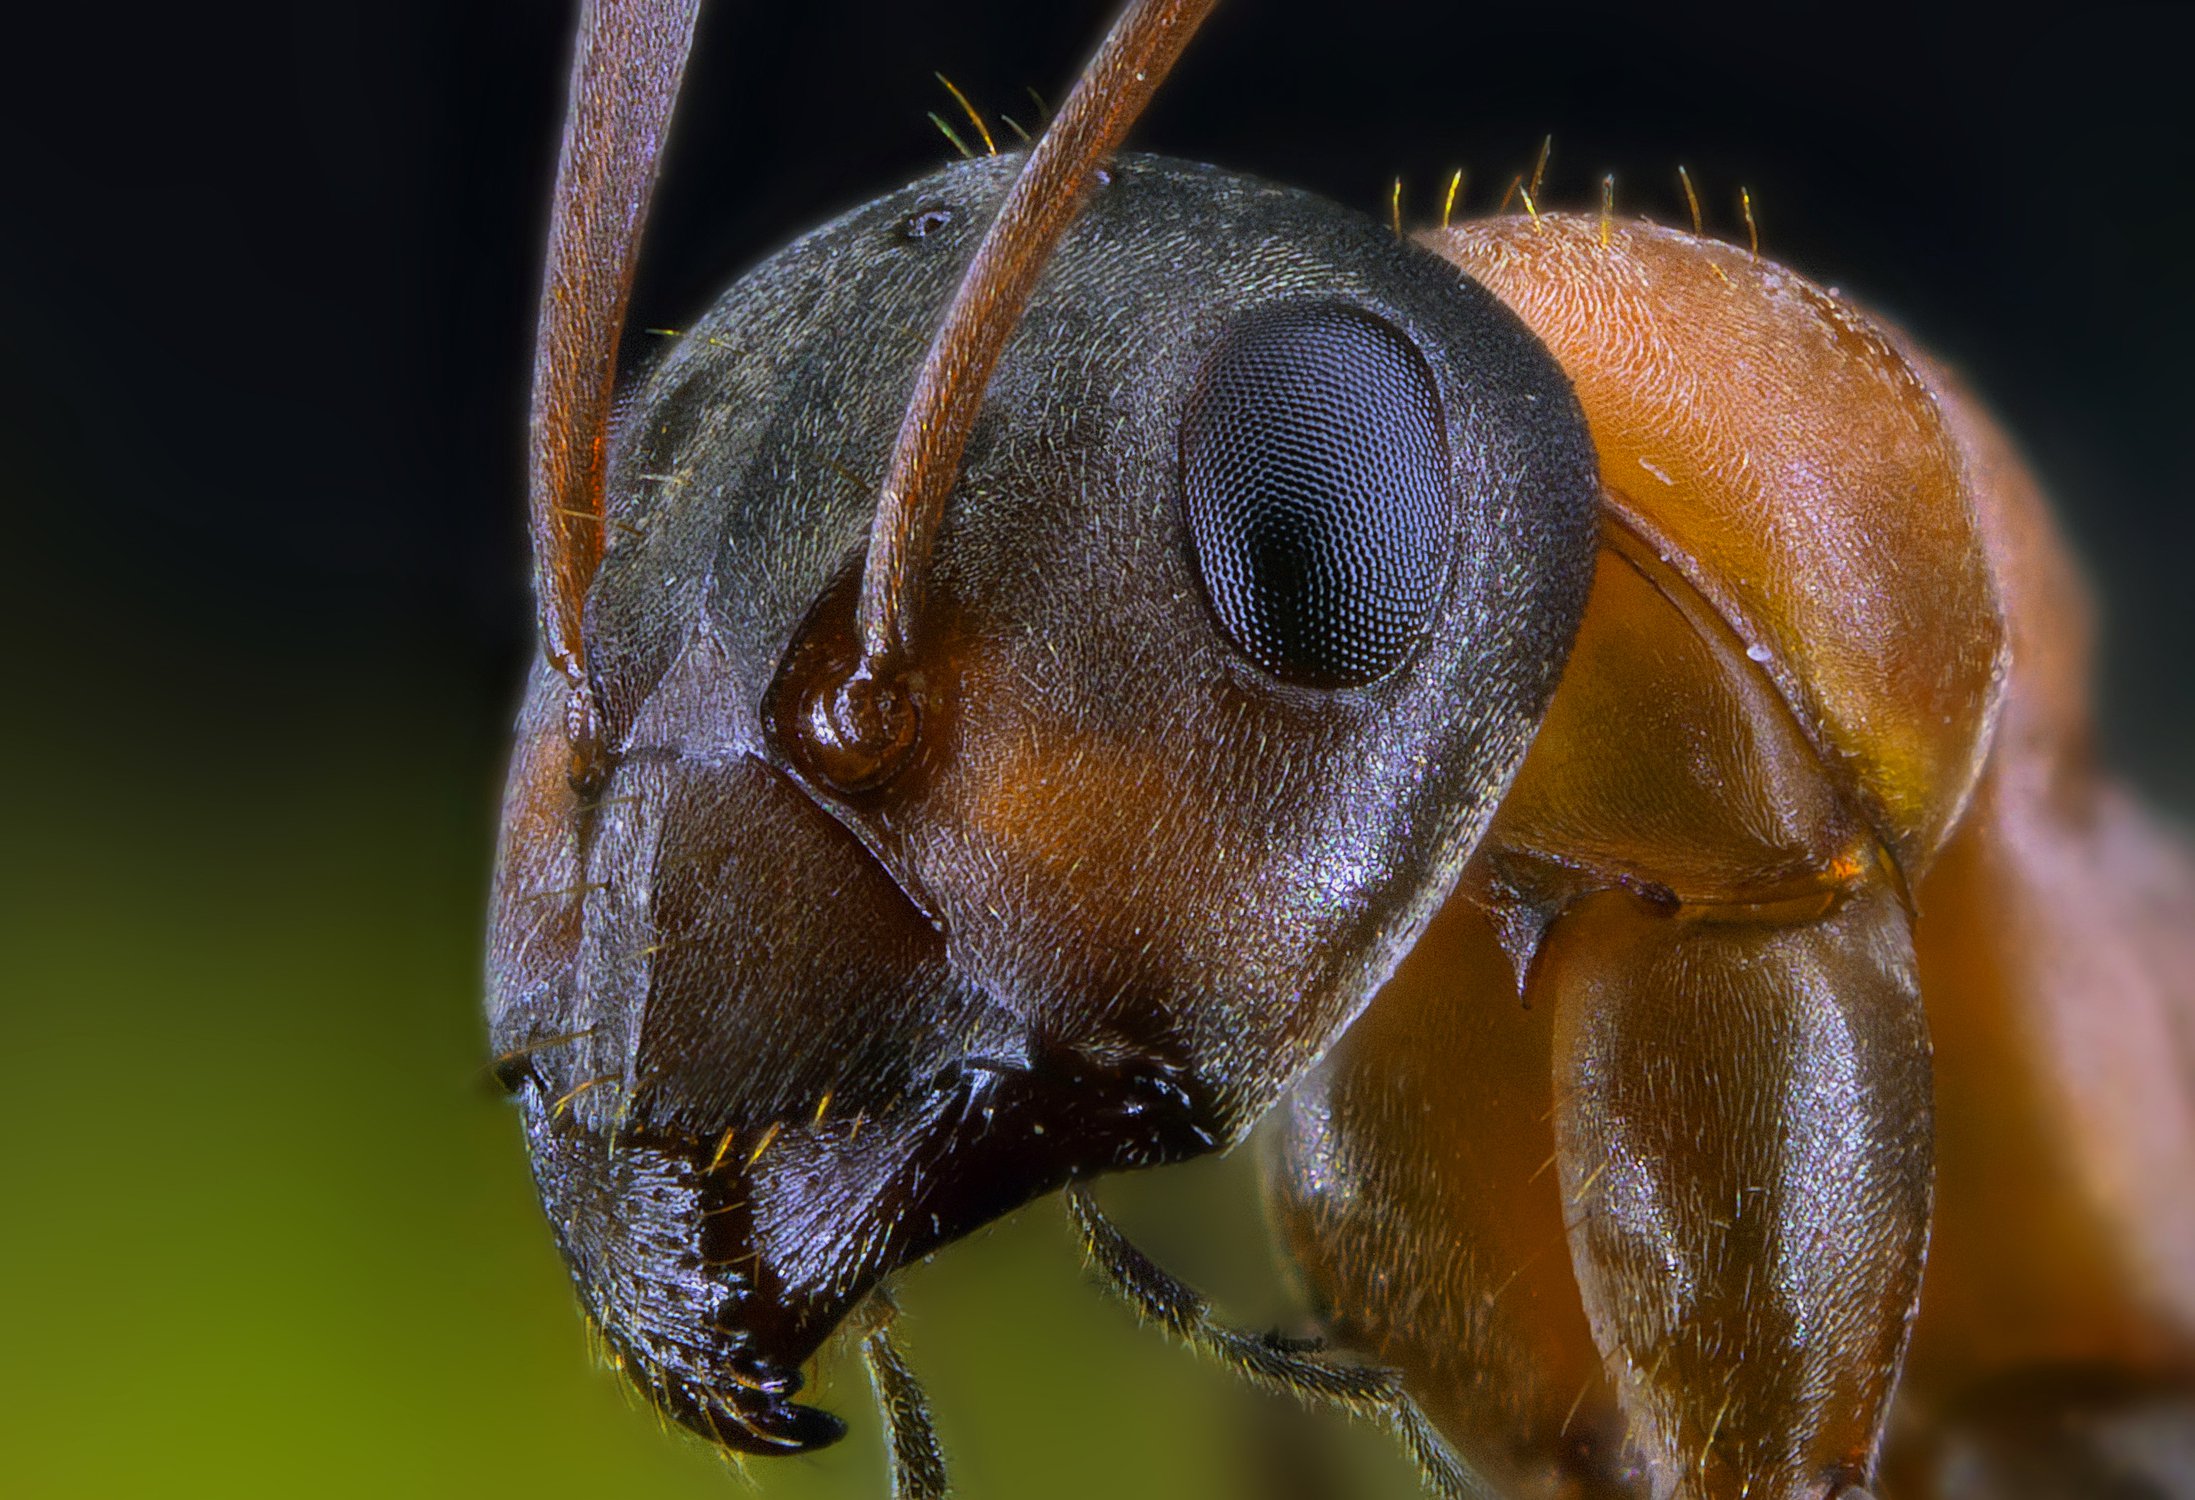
<point x="1421" y="1212"/>
<point x="1742" y="1118"/>
<point x="1296" y="1367"/>
<point x="918" y="1462"/>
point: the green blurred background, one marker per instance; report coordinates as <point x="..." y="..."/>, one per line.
<point x="266" y="280"/>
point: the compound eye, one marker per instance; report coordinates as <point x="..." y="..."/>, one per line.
<point x="1315" y="474"/>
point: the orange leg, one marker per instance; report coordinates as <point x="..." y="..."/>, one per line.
<point x="1742" y="1121"/>
<point x="1651" y="1221"/>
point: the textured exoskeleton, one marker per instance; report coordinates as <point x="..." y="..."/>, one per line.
<point x="1649" y="1112"/>
<point x="773" y="1040"/>
<point x="986" y="738"/>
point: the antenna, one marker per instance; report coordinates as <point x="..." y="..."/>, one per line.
<point x="860" y="727"/>
<point x="625" y="77"/>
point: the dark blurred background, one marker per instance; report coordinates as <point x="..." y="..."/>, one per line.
<point x="267" y="279"/>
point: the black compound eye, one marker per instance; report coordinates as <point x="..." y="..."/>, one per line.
<point x="1315" y="474"/>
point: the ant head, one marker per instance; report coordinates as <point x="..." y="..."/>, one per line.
<point x="1264" y="556"/>
<point x="870" y="869"/>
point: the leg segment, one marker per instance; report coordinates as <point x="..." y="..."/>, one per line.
<point x="1412" y="1182"/>
<point x="1294" y="1367"/>
<point x="918" y="1462"/>
<point x="1742" y="1122"/>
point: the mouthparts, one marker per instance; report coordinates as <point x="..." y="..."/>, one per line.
<point x="715" y="1268"/>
